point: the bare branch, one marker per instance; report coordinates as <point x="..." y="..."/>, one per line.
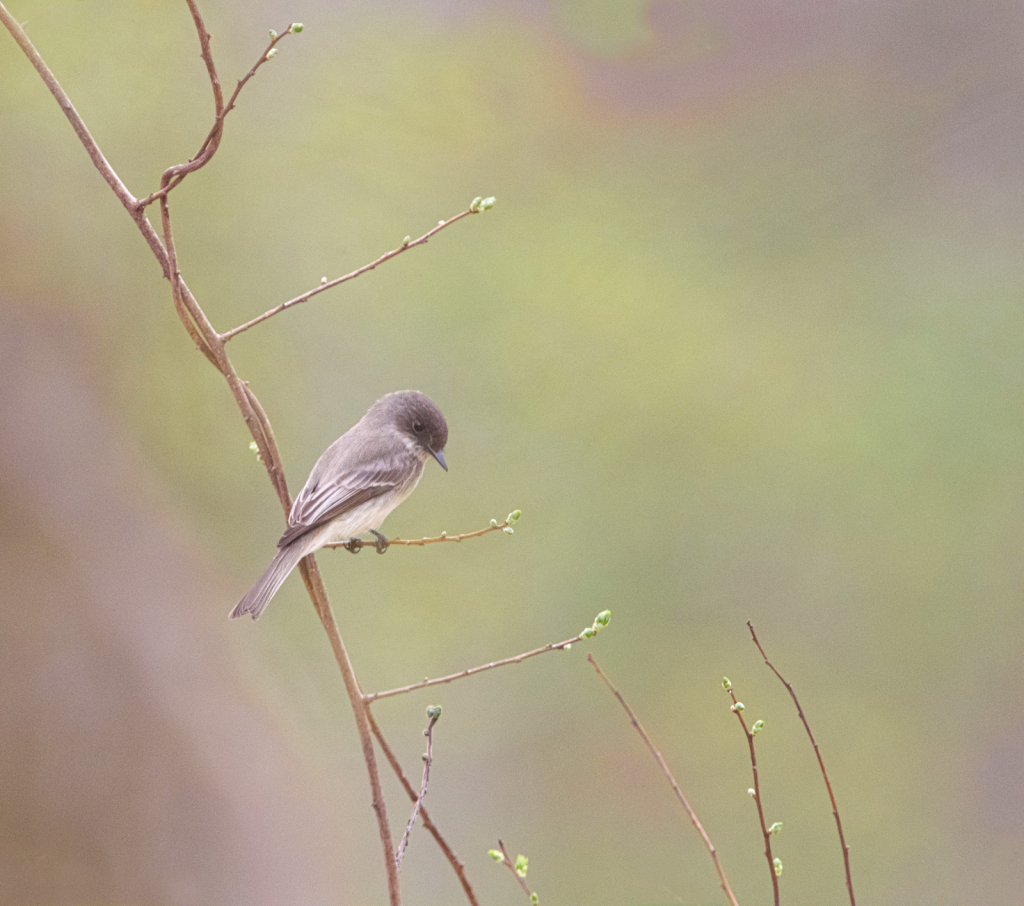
<point x="671" y="779"/>
<point x="428" y="825"/>
<point x="356" y="544"/>
<point x="207" y="339"/>
<point x="821" y="763"/>
<point x="173" y="176"/>
<point x="737" y="709"/>
<point x="328" y="284"/>
<point x="434" y="715"/>
<point x="588" y="633"/>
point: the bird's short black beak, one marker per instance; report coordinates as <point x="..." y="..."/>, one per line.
<point x="439" y="456"/>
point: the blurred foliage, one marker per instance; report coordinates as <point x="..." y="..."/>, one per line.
<point x="742" y="337"/>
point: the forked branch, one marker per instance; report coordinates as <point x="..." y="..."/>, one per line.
<point x="428" y="824"/>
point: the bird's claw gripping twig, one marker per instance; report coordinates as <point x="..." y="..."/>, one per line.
<point x="381" y="544"/>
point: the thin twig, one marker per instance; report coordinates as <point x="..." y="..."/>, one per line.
<point x="737" y="709"/>
<point x="428" y="824"/>
<point x="512" y="867"/>
<point x="821" y="763"/>
<point x="472" y="671"/>
<point x="356" y="544"/>
<point x="173" y="176"/>
<point x="434" y="713"/>
<point x="387" y="256"/>
<point x="671" y="779"/>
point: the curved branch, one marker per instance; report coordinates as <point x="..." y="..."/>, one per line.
<point x="173" y="176"/>
<point x="671" y="779"/>
<point x="821" y="763"/>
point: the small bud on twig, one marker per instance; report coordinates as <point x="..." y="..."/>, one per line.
<point x="726" y="684"/>
<point x="271" y="53"/>
<point x="778" y="866"/>
<point x="737" y="707"/>
<point x="295" y="28"/>
<point x="757" y="728"/>
<point x="775" y="828"/>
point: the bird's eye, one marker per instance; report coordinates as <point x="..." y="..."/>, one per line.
<point x="417" y="427"/>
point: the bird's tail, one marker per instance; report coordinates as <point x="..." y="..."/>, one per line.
<point x="256" y="601"/>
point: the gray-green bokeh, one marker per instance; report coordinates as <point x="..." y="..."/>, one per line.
<point x="741" y="337"/>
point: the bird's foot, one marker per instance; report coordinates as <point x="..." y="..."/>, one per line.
<point x="381" y="544"/>
<point x="354" y="545"/>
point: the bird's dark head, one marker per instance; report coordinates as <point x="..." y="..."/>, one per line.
<point x="418" y="419"/>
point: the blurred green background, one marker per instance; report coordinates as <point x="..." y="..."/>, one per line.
<point x="742" y="338"/>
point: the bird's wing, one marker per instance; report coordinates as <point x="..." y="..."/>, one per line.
<point x="321" y="502"/>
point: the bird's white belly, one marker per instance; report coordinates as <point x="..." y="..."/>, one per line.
<point x="363" y="518"/>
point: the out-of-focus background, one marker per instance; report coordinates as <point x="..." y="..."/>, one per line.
<point x="742" y="337"/>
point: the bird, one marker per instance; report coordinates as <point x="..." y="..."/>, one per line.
<point x="355" y="484"/>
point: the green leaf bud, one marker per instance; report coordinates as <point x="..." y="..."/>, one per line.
<point x="295" y="28"/>
<point x="474" y="205"/>
<point x="726" y="684"/>
<point x="522" y="864"/>
<point x="496" y="855"/>
<point x="752" y="793"/>
<point x="433" y="711"/>
<point x="513" y="517"/>
<point x="494" y="523"/>
<point x="487" y="204"/>
<point x="778" y="866"/>
<point x="757" y="728"/>
<point x="273" y="35"/>
<point x="737" y="707"/>
<point x="775" y="828"/>
<point x="588" y="633"/>
<point x="603" y="618"/>
<point x="271" y="53"/>
<point x="508" y="530"/>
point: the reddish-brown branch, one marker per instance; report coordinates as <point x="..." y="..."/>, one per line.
<point x="507" y="861"/>
<point x="472" y="671"/>
<point x="173" y="176"/>
<point x="387" y="256"/>
<point x="356" y="544"/>
<point x="821" y="763"/>
<point x="428" y="824"/>
<point x="671" y="779"/>
<point x="737" y="709"/>
<point x="209" y="342"/>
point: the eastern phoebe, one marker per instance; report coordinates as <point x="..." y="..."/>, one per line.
<point x="360" y="478"/>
